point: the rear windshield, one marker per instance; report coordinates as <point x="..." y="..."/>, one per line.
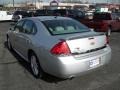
<point x="60" y="27"/>
<point x="102" y="16"/>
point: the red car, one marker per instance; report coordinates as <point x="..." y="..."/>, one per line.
<point x="104" y="22"/>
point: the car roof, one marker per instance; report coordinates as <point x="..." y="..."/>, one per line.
<point x="44" y="18"/>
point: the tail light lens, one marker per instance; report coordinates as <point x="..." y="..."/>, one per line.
<point x="61" y="48"/>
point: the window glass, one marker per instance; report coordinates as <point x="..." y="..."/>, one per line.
<point x="29" y="27"/>
<point x="41" y="12"/>
<point x="102" y="16"/>
<point x="71" y="12"/>
<point x="59" y="27"/>
<point x="18" y="26"/>
<point x="63" y="12"/>
<point x="80" y="13"/>
<point x="60" y="12"/>
<point x="9" y="13"/>
<point x="49" y="12"/>
<point x="16" y="13"/>
<point x="34" y="29"/>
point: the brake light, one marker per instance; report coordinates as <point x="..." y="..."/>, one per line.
<point x="61" y="48"/>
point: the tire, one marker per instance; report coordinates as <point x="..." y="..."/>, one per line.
<point x="35" y="66"/>
<point x="108" y="33"/>
<point x="9" y="44"/>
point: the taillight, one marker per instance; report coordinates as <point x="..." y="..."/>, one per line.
<point x="61" y="48"/>
<point x="107" y="40"/>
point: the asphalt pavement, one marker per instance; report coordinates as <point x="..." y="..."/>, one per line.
<point x="16" y="75"/>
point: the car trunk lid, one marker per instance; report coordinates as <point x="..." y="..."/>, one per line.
<point x="85" y="44"/>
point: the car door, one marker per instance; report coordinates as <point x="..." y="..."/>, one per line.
<point x="16" y="33"/>
<point x="25" y="36"/>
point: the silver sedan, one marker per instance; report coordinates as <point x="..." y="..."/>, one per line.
<point x="59" y="46"/>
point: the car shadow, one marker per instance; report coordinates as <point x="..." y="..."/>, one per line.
<point x="47" y="78"/>
<point x="6" y="21"/>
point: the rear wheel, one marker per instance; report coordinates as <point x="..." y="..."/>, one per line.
<point x="35" y="66"/>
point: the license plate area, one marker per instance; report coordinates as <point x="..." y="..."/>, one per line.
<point x="94" y="62"/>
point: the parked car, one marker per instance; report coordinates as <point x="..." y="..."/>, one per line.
<point x="17" y="15"/>
<point x="72" y="13"/>
<point x="5" y="16"/>
<point x="43" y="12"/>
<point x="59" y="46"/>
<point x="103" y="22"/>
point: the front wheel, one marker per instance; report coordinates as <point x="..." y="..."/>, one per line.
<point x="35" y="66"/>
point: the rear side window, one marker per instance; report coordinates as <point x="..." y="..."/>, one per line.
<point x="60" y="27"/>
<point x="18" y="26"/>
<point x="29" y="27"/>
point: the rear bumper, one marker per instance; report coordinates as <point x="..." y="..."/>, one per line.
<point x="72" y="66"/>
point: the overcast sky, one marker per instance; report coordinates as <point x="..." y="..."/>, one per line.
<point x="96" y="1"/>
